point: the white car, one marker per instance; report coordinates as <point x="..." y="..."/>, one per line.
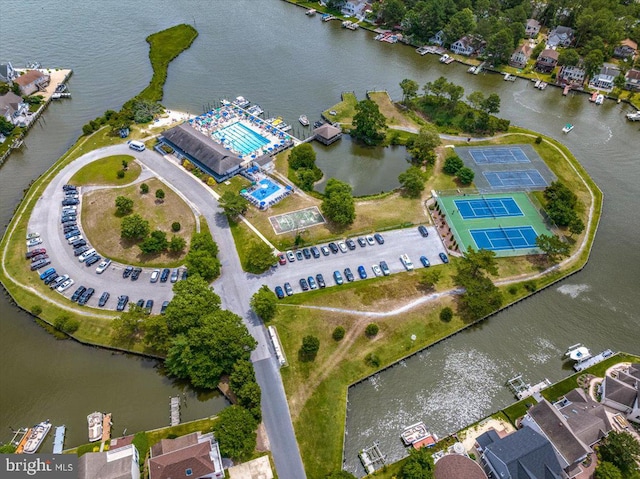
<point x="74" y="238"/>
<point x="376" y="270"/>
<point x="406" y="262"/>
<point x="155" y="275"/>
<point x="64" y="286"/>
<point x="343" y="246"/>
<point x="69" y="208"/>
<point x="83" y="257"/>
<point x="103" y="266"/>
<point x="370" y="240"/>
<point x="33" y="235"/>
<point x="34" y="242"/>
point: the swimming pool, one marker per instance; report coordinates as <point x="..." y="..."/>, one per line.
<point x="240" y="138"/>
<point x="265" y="189"/>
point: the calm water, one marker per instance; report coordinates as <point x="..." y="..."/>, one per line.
<point x="243" y="49"/>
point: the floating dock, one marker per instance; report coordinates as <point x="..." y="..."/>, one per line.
<point x="58" y="439"/>
<point x="582" y="365"/>
<point x="25" y="432"/>
<point x="106" y="427"/>
<point x="524" y="390"/>
<point x="371" y="458"/>
<point x="175" y="410"/>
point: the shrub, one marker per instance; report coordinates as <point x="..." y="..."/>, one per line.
<point x="124" y="205"/>
<point x="167" y="149"/>
<point x="125" y="164"/>
<point x="36" y="310"/>
<point x="513" y="289"/>
<point x="160" y="194"/>
<point x="372" y="360"/>
<point x="309" y="348"/>
<point x="446" y="314"/>
<point x="452" y="165"/>
<point x="120" y="174"/>
<point x="538" y="140"/>
<point x="372" y="329"/>
<point x="144" y="188"/>
<point x="338" y="333"/>
<point x="175" y="226"/>
<point x="530" y="286"/>
<point x="71" y="326"/>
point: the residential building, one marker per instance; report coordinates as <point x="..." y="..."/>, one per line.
<point x="194" y="456"/>
<point x="119" y="463"/>
<point x="604" y="79"/>
<point x="524" y="454"/>
<point x="7" y="72"/>
<point x="571" y="75"/>
<point x="438" y="38"/>
<point x="13" y="109"/>
<point x="520" y="56"/>
<point x="632" y="80"/>
<point x="354" y="8"/>
<point x="547" y="61"/>
<point x="463" y="46"/>
<point x="626" y="49"/>
<point x="32" y="81"/>
<point x="457" y="466"/>
<point x="622" y="393"/>
<point x="572" y="425"/>
<point x="560" y="37"/>
<point x="532" y="28"/>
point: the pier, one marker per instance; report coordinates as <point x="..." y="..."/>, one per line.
<point x="175" y="410"/>
<point x="372" y="458"/>
<point x="581" y="365"/>
<point x="58" y="439"/>
<point x="524" y="390"/>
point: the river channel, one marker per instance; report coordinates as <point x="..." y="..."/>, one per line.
<point x="271" y="53"/>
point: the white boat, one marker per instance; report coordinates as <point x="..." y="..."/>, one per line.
<point x="577" y="352"/>
<point x="94" y="421"/>
<point x="36" y="437"/>
<point x="241" y="101"/>
<point x="599" y="99"/>
<point x="542" y="85"/>
<point x="471" y="70"/>
<point x="311" y="12"/>
<point x="509" y="77"/>
<point x="414" y="434"/>
<point x="255" y="110"/>
<point x="536" y="84"/>
<point x="304" y="121"/>
<point x="567" y="128"/>
<point x="635" y="116"/>
<point x="444" y="58"/>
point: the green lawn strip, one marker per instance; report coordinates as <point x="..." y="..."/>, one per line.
<point x="236" y="184"/>
<point x="105" y="172"/>
<point x="243" y="237"/>
<point x="517" y="409"/>
<point x="345" y="110"/>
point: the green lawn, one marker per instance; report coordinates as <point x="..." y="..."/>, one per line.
<point x="345" y="110"/>
<point x="105" y="172"/>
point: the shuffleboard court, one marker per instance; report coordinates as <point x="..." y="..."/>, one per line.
<point x="510" y="238"/>
<point x="500" y="155"/>
<point x="296" y="220"/>
<point x="517" y="178"/>
<point x="488" y="208"/>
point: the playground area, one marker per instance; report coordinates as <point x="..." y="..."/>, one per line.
<point x="507" y="224"/>
<point x="296" y="220"/>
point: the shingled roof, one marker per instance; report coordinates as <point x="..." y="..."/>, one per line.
<point x="202" y="148"/>
<point x="619" y="392"/>
<point x="586" y="417"/>
<point x="455" y="466"/>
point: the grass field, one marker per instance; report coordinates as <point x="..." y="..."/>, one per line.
<point x="345" y="110"/>
<point x="102" y="226"/>
<point x="105" y="172"/>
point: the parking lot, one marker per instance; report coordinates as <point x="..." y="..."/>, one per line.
<point x="396" y="243"/>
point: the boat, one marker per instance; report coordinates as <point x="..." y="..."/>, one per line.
<point x="577" y="352"/>
<point x="318" y="124"/>
<point x="418" y="436"/>
<point x="471" y="70"/>
<point x="58" y="439"/>
<point x="423" y="50"/>
<point x="566" y="90"/>
<point x="599" y="99"/>
<point x="536" y="84"/>
<point x="350" y="25"/>
<point x="304" y="121"/>
<point x="444" y="58"/>
<point x="241" y="101"/>
<point x="567" y="128"/>
<point x="311" y="12"/>
<point x="94" y="421"/>
<point x="635" y="116"/>
<point x="593" y="97"/>
<point x="36" y="437"/>
<point x="255" y="110"/>
<point x="542" y="85"/>
<point x="509" y="77"/>
<point x="284" y="127"/>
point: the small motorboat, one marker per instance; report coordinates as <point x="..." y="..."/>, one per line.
<point x="567" y="128"/>
<point x="94" y="421"/>
<point x="304" y="121"/>
<point x="599" y="99"/>
<point x="36" y="436"/>
<point x="578" y="352"/>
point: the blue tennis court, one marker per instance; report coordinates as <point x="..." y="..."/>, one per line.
<point x="240" y="138"/>
<point x="503" y="155"/>
<point x="488" y="208"/>
<point x="510" y="179"/>
<point x="498" y="239"/>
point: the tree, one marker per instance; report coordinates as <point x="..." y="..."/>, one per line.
<point x="202" y="256"/>
<point x="606" y="470"/>
<point x="175" y="226"/>
<point x="155" y="243"/>
<point x="480" y="297"/>
<point x="476" y="99"/>
<point x="338" y="333"/>
<point x="409" y="90"/>
<point x="249" y="397"/>
<point x="236" y="433"/>
<point x="371" y="329"/>
<point x="338" y="205"/>
<point x="302" y="156"/>
<point x="265" y="303"/>
<point x="452" y="165"/>
<point x="241" y="374"/>
<point x="491" y="104"/>
<point x="192" y="298"/>
<point x="260" y="257"/>
<point x="233" y="204"/>
<point x="6" y="127"/>
<point x="552" y="246"/>
<point x="392" y="12"/>
<point x="412" y="181"/>
<point x="134" y="227"/>
<point x="309" y="348"/>
<point x="160" y="194"/>
<point x="576" y="226"/>
<point x="144" y="188"/>
<point x="593" y="62"/>
<point x="422" y="150"/>
<point x="368" y="123"/>
<point x="537" y="50"/>
<point x="124" y="205"/>
<point x="419" y="465"/>
<point x="500" y="45"/>
<point x="177" y="244"/>
<point x="127" y="327"/>
<point x="461" y="23"/>
<point x="622" y="450"/>
<point x="156" y="333"/>
<point x="465" y="175"/>
<point x="429" y="278"/>
<point x="446" y="314"/>
<point x="125" y="164"/>
<point x="568" y="57"/>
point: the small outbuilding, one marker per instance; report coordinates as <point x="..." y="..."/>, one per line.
<point x="327" y="134"/>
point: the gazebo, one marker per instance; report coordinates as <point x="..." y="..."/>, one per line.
<point x="327" y="134"/>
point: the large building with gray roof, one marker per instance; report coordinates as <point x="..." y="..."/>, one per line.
<point x="622" y="393"/>
<point x="119" y="463"/>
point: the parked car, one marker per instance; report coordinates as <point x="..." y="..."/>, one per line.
<point x="103" y="299"/>
<point x="306" y="253"/>
<point x="59" y="281"/>
<point x="163" y="308"/>
<point x="185" y="274"/>
<point x="315" y="252"/>
<point x="362" y="242"/>
<point x="362" y="272"/>
<point x="443" y="257"/>
<point x="51" y="278"/>
<point x="93" y="259"/>
<point x="86" y="296"/>
<point x="290" y="256"/>
<point x="66" y="219"/>
<point x="34" y="242"/>
<point x="32" y="235"/>
<point x="65" y="286"/>
<point x="312" y="282"/>
<point x="288" y="289"/>
<point x="80" y="250"/>
<point x="71" y="239"/>
<point x="39" y="257"/>
<point x="149" y="305"/>
<point x="333" y="247"/>
<point x="127" y="272"/>
<point x="299" y="255"/>
<point x="140" y="303"/>
<point x="69" y="187"/>
<point x="76" y="295"/>
<point x="103" y="266"/>
<point x="406" y="262"/>
<point x="155" y="275"/>
<point x="40" y="264"/>
<point x="69" y="227"/>
<point x="34" y="252"/>
<point x="350" y="244"/>
<point x="122" y="302"/>
<point x="78" y="243"/>
<point x="47" y="273"/>
<point x="304" y="285"/>
<point x="282" y="259"/>
<point x="325" y="250"/>
<point x="376" y="270"/>
<point x="279" y="292"/>
<point x="165" y="275"/>
<point x="370" y="240"/>
<point x="136" y="274"/>
<point x="70" y="201"/>
<point x="425" y="261"/>
<point x="83" y="257"/>
<point x="320" y="280"/>
<point x="423" y="230"/>
<point x="175" y="275"/>
<point x="378" y="237"/>
<point x="348" y="274"/>
<point x="71" y="234"/>
<point x="343" y="246"/>
<point x="337" y="277"/>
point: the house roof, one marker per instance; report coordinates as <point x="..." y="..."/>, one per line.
<point x="526" y="454"/>
<point x="9" y="100"/>
<point x="487" y="438"/>
<point x="627" y="42"/>
<point x="29" y="77"/>
<point x="327" y="131"/>
<point x="465" y="41"/>
<point x="619" y="392"/>
<point x="586" y="417"/>
<point x="174" y="464"/>
<point x="549" y="53"/>
<point x="202" y="148"/>
<point x="633" y="75"/>
<point x="561" y="30"/>
<point x="94" y="465"/>
<point x="533" y="23"/>
<point x="525" y="49"/>
<point x="455" y="466"/>
<point x="554" y="425"/>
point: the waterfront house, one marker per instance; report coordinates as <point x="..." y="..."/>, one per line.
<point x="118" y="463"/>
<point x="200" y="149"/>
<point x="626" y="49"/>
<point x="327" y="134"/>
<point x="463" y="46"/>
<point x="32" y="81"/>
<point x="571" y="75"/>
<point x="547" y="61"/>
<point x="532" y="28"/>
<point x="560" y="37"/>
<point x="354" y="8"/>
<point x="438" y="38"/>
<point x="520" y="56"/>
<point x="604" y="79"/>
<point x="632" y="80"/>
<point x="623" y="392"/>
<point x="7" y="72"/>
<point x="457" y="466"/>
<point x="195" y="455"/>
<point x="14" y="109"/>
<point x="524" y="454"/>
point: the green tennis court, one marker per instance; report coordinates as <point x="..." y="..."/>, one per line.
<point x="477" y="221"/>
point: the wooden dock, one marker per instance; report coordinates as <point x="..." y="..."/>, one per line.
<point x="524" y="390"/>
<point x="25" y="433"/>
<point x="175" y="410"/>
<point x="372" y="458"/>
<point x="106" y="427"/>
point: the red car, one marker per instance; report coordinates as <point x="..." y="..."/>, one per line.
<point x="35" y="252"/>
<point x="282" y="259"/>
